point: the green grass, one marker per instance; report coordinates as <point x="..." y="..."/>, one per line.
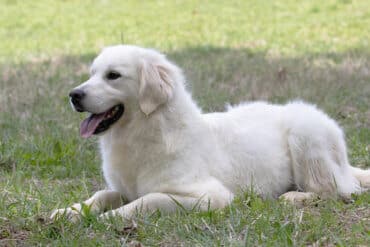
<point x="34" y="29"/>
<point x="230" y="51"/>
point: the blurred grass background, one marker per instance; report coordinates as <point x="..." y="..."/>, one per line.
<point x="32" y="29"/>
<point x="230" y="51"/>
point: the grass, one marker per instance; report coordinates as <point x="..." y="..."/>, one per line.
<point x="230" y="52"/>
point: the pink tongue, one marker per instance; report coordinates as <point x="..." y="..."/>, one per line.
<point x="89" y="125"/>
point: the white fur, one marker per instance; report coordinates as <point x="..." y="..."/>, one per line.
<point x="164" y="149"/>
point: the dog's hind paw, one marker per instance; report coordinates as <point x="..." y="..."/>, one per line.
<point x="299" y="198"/>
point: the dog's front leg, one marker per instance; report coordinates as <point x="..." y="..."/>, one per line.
<point x="166" y="203"/>
<point x="99" y="202"/>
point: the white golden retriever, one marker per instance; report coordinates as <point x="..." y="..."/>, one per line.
<point x="158" y="149"/>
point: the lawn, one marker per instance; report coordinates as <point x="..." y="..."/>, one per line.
<point x="230" y="51"/>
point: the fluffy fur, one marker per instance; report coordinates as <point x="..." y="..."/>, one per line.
<point x="165" y="151"/>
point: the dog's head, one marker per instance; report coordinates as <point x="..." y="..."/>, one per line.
<point x="123" y="80"/>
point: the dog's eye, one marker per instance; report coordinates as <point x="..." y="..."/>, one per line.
<point x="113" y="75"/>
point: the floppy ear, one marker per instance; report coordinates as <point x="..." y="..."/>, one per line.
<point x="155" y="86"/>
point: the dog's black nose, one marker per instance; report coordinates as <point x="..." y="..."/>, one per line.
<point x="76" y="97"/>
<point x="77" y="94"/>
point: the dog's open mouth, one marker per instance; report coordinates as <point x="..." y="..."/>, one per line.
<point x="97" y="123"/>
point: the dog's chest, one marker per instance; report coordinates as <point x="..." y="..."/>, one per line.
<point x="130" y="169"/>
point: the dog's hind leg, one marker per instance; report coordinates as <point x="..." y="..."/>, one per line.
<point x="99" y="202"/>
<point x="319" y="156"/>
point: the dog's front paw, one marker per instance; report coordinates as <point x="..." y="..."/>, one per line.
<point x="71" y="214"/>
<point x="108" y="215"/>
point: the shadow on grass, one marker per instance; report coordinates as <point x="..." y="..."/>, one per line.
<point x="39" y="128"/>
<point x="216" y="76"/>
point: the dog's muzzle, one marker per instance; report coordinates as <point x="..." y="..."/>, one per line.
<point x="76" y="97"/>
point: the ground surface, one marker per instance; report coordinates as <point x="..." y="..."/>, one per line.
<point x="231" y="51"/>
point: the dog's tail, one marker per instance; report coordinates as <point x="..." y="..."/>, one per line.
<point x="363" y="176"/>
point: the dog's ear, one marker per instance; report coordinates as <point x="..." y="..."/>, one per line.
<point x="155" y="86"/>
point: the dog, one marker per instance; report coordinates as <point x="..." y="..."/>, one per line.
<point x="159" y="150"/>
